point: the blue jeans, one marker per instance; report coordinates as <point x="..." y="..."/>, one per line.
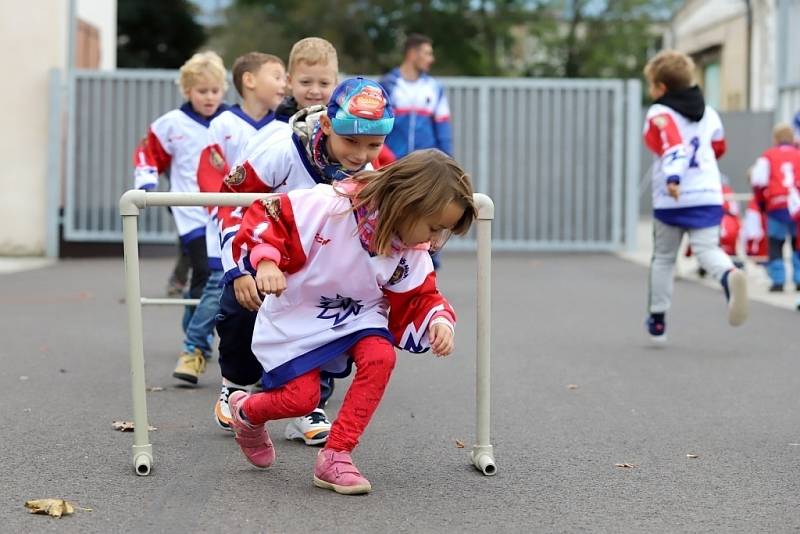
<point x="777" y="232"/>
<point x="199" y="321"/>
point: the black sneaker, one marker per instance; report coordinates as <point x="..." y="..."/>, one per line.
<point x="657" y="327"/>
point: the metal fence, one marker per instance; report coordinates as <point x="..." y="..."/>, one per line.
<point x="559" y="157"/>
<point x="788" y="65"/>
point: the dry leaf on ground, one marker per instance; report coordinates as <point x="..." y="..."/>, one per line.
<point x="692" y="456"/>
<point x="127" y="426"/>
<point x="459" y="444"/>
<point x="626" y="466"/>
<point x="51" y="507"/>
<point x="572" y="386"/>
<point x="155" y="388"/>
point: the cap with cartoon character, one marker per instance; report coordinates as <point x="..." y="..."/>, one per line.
<point x="359" y="106"/>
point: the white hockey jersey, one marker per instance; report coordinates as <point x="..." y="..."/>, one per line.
<point x="174" y="143"/>
<point x="279" y="164"/>
<point x="337" y="292"/>
<point x="687" y="154"/>
<point x="228" y="133"/>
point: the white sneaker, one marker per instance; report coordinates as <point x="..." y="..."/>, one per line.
<point x="222" y="410"/>
<point x="313" y="428"/>
<point x="737" y="302"/>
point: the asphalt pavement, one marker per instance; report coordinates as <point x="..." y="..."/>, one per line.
<point x="706" y="429"/>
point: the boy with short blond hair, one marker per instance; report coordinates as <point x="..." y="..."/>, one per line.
<point x="776" y="179"/>
<point x="687" y="137"/>
<point x="313" y="73"/>
<point x="173" y="143"/>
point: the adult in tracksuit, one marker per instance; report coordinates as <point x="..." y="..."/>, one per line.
<point x="422" y="114"/>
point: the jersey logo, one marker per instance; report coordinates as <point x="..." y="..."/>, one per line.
<point x="272" y="207"/>
<point x="235" y="177"/>
<point x="321" y="240"/>
<point x="338" y="308"/>
<point x="401" y="273"/>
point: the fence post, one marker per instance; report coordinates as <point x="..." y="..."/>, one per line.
<point x="54" y="151"/>
<point x="633" y="160"/>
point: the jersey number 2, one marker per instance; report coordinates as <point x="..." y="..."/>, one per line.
<point x="695" y="142"/>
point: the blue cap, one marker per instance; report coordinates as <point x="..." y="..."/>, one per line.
<point x="360" y="107"/>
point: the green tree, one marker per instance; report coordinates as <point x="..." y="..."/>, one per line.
<point x="368" y="35"/>
<point x="598" y="39"/>
<point x="157" y="34"/>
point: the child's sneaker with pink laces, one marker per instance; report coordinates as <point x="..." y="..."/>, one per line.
<point x="252" y="439"/>
<point x="335" y="470"/>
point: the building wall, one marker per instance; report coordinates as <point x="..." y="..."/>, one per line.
<point x="102" y="14"/>
<point x="23" y="149"/>
<point x="33" y="49"/>
<point x="705" y="28"/>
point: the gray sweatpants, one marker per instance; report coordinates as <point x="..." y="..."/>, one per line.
<point x="666" y="242"/>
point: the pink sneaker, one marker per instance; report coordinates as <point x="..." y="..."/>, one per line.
<point x="335" y="470"/>
<point x="253" y="440"/>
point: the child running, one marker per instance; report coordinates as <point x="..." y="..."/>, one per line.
<point x="687" y="137"/>
<point x="349" y="267"/>
<point x="174" y="143"/>
<point x="312" y="151"/>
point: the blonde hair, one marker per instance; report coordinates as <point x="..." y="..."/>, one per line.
<point x="416" y="186"/>
<point x="202" y="64"/>
<point x="783" y="133"/>
<point x="250" y="62"/>
<point x="313" y="51"/>
<point x="672" y="68"/>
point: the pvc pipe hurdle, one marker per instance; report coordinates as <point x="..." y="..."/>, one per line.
<point x="130" y="205"/>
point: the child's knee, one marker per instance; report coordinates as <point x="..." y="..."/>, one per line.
<point x="302" y="394"/>
<point x="375" y="353"/>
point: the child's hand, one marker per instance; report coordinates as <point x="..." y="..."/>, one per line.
<point x="440" y="336"/>
<point x="269" y="279"/>
<point x="674" y="190"/>
<point x="244" y="288"/>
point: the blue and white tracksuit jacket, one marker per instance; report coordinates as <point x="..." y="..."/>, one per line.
<point x="422" y="115"/>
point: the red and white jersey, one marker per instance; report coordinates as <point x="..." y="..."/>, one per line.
<point x="775" y="175"/>
<point x="174" y="143"/>
<point x="688" y="153"/>
<point x="279" y="164"/>
<point x="228" y="133"/>
<point x="336" y="290"/>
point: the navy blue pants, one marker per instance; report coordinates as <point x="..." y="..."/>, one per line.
<point x="237" y="362"/>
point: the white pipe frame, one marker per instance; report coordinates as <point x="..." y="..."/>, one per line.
<point x="133" y="201"/>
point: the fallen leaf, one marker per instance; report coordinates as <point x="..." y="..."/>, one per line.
<point x="626" y="466"/>
<point x="572" y="386"/>
<point x="155" y="388"/>
<point x="459" y="444"/>
<point x="51" y="507"/>
<point x="692" y="456"/>
<point x="127" y="426"/>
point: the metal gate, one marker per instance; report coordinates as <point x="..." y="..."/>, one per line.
<point x="560" y="158"/>
<point x="788" y="62"/>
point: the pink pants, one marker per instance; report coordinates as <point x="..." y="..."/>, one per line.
<point x="374" y="358"/>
